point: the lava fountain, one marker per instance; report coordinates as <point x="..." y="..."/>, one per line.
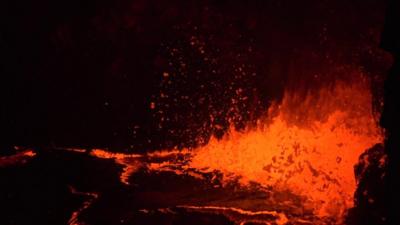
<point x="307" y="145"/>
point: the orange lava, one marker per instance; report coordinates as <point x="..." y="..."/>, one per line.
<point x="21" y="157"/>
<point x="308" y="145"/>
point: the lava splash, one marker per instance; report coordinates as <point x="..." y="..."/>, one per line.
<point x="302" y="154"/>
<point x="309" y="146"/>
<point x="306" y="145"/>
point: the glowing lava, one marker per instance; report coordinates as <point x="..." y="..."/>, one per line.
<point x="308" y="147"/>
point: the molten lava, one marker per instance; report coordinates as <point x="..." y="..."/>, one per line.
<point x="308" y="146"/>
<point x="304" y="149"/>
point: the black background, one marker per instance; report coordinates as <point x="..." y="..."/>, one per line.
<point x="85" y="73"/>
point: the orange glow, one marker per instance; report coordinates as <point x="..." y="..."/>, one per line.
<point x="278" y="218"/>
<point x="74" y="216"/>
<point x="130" y="162"/>
<point x="22" y="156"/>
<point x="308" y="146"/>
<point x="104" y="154"/>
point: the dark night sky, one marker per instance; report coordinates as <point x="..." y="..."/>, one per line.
<point x="84" y="73"/>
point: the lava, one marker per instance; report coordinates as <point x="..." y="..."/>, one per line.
<point x="20" y="157"/>
<point x="129" y="161"/>
<point x="238" y="215"/>
<point x="306" y="146"/>
<point x="309" y="147"/>
<point x="91" y="197"/>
